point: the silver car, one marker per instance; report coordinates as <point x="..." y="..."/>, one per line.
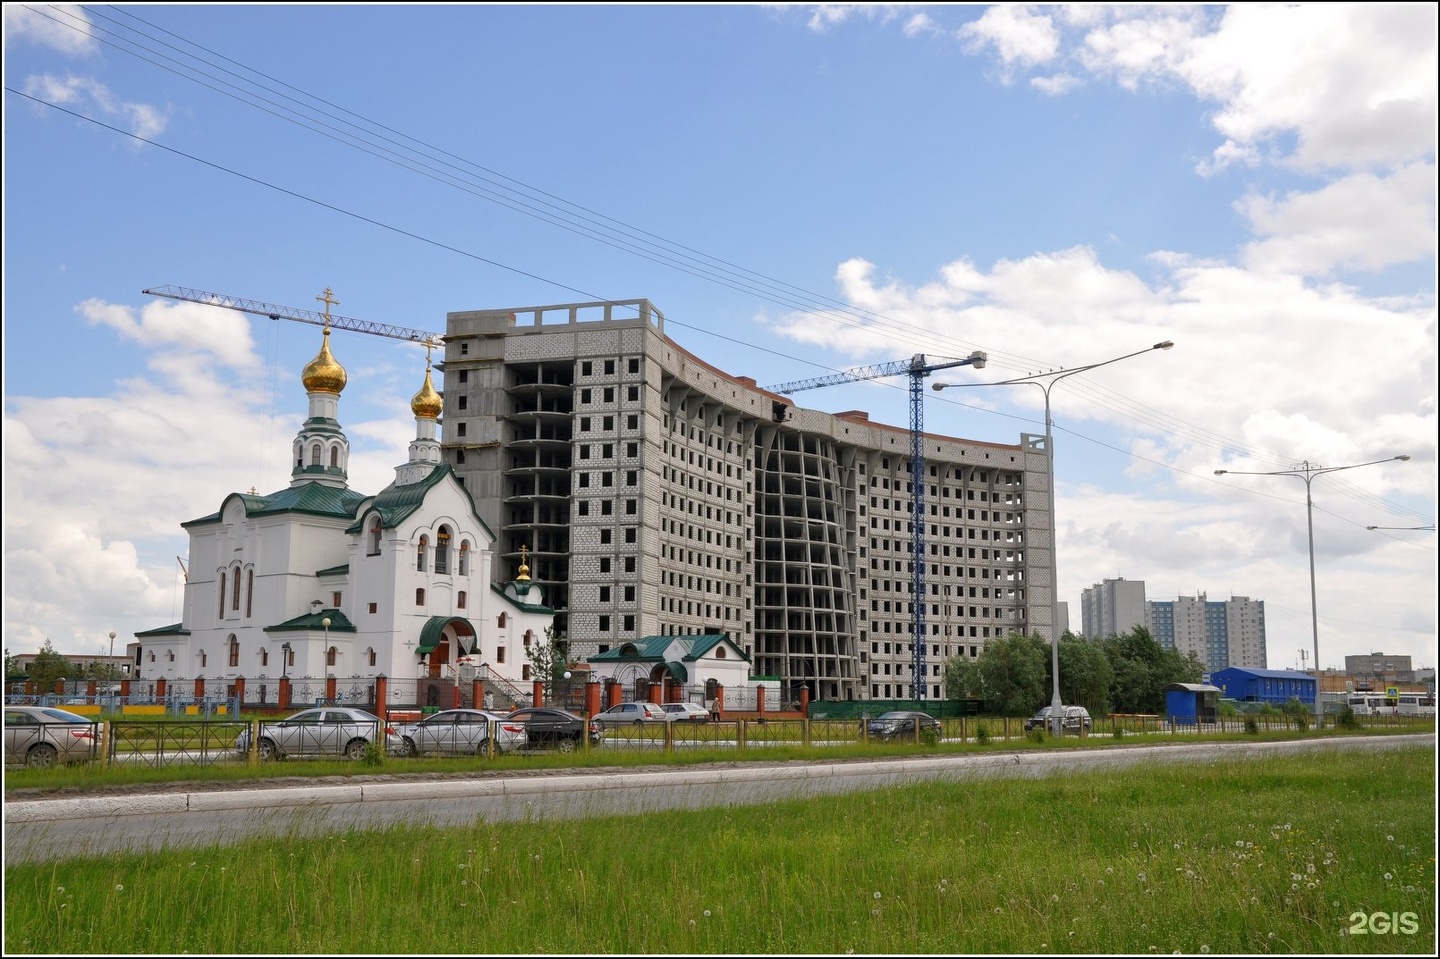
<point x="630" y="714"/>
<point x="323" y="731"/>
<point x="461" y="732"/>
<point x="41" y="736"/>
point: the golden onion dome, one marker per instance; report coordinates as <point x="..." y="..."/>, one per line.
<point x="323" y="374"/>
<point x="427" y="404"/>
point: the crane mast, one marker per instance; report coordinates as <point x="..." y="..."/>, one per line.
<point x="274" y="312"/>
<point x="917" y="368"/>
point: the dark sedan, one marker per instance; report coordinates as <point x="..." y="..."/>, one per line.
<point x="901" y="724"/>
<point x="560" y="728"/>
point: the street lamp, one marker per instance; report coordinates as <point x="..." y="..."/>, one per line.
<point x="1307" y="471"/>
<point x="1045" y="381"/>
<point x="284" y="659"/>
<point x="112" y="644"/>
<point x="1431" y="526"/>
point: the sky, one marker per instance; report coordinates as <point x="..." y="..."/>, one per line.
<point x="801" y="190"/>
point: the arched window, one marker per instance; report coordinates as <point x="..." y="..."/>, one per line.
<point x="202" y="659"/>
<point x="465" y="558"/>
<point x="420" y="597"/>
<point x="249" y="592"/>
<point x="235" y="590"/>
<point x="420" y="553"/>
<point x="221" y="610"/>
<point x="460" y="599"/>
<point x="719" y="652"/>
<point x="330" y="656"/>
<point x="315" y="455"/>
<point x="234" y="652"/>
<point x="372" y="656"/>
<point x="334" y="456"/>
<point x="375" y="536"/>
<point x="501" y="621"/>
<point x="442" y="550"/>
<point x="264" y="657"/>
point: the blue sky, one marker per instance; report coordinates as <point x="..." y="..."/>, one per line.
<point x="800" y="189"/>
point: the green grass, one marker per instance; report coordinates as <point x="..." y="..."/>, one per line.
<point x="1268" y="855"/>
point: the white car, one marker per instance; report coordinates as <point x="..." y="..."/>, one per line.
<point x="631" y="714"/>
<point x="323" y="731"/>
<point x="686" y="712"/>
<point x="461" y="732"/>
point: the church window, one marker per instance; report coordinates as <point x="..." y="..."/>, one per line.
<point x="235" y="590"/>
<point x="315" y="455"/>
<point x="372" y="657"/>
<point x="335" y="600"/>
<point x="202" y="659"/>
<point x="221" y="611"/>
<point x="460" y="599"/>
<point x="499" y="654"/>
<point x="264" y="657"/>
<point x="420" y="597"/>
<point x="500" y="622"/>
<point x="442" y="550"/>
<point x="330" y="656"/>
<point x="249" y="592"/>
<point x="420" y="553"/>
<point x="375" y="536"/>
<point x="525" y="672"/>
<point x="465" y="558"/>
<point x="719" y="652"/>
<point x="334" y="456"/>
<point x="234" y="652"/>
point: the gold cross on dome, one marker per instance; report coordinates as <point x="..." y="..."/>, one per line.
<point x="329" y="301"/>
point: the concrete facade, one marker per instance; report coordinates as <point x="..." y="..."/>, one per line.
<point x="659" y="496"/>
<point x="1112" y="607"/>
<point x="1220" y="634"/>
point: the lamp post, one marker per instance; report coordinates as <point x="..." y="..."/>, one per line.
<point x="1307" y="471"/>
<point x="1431" y="526"/>
<point x="1045" y="381"/>
<point x="112" y="644"/>
<point x="284" y="659"/>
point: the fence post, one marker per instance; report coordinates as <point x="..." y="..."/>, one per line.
<point x="740" y="734"/>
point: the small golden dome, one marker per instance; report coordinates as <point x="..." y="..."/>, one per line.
<point x="323" y="374"/>
<point x="427" y="404"/>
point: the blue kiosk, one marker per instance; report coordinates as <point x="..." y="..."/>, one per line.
<point x="1274" y="686"/>
<point x="1191" y="703"/>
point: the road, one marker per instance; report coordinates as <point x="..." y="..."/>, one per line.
<point x="49" y="829"/>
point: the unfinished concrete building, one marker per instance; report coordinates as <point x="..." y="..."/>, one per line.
<point x="657" y="495"/>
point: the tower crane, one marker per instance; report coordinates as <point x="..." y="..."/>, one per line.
<point x="242" y="305"/>
<point x="917" y="368"/>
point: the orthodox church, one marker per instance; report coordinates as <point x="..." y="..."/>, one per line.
<point x="319" y="580"/>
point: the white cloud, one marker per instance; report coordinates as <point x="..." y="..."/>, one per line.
<point x="1056" y="85"/>
<point x="1362" y="222"/>
<point x="88" y="96"/>
<point x="1019" y="37"/>
<point x="63" y="27"/>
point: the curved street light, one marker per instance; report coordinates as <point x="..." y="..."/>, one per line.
<point x="1431" y="526"/>
<point x="1045" y="381"/>
<point x="1307" y="471"/>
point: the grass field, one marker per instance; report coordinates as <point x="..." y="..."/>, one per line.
<point x="1281" y="855"/>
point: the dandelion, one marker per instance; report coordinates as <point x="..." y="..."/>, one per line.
<point x="707" y="913"/>
<point x="877" y="893"/>
<point x="1310" y="867"/>
<point x="1109" y="870"/>
<point x="692" y="922"/>
<point x="1204" y="948"/>
<point x="1388" y="877"/>
<point x="1054" y="897"/>
<point x="1389" y="838"/>
<point x="998" y="910"/>
<point x="119" y="887"/>
<point x="60" y="889"/>
<point x="1141" y="877"/>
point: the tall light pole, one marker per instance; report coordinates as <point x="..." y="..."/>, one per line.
<point x="1307" y="471"/>
<point x="1431" y="526"/>
<point x="1046" y="381"/>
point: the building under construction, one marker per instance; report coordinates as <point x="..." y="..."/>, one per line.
<point x="658" y="495"/>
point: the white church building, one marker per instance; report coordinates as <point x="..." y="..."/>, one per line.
<point x="320" y="582"/>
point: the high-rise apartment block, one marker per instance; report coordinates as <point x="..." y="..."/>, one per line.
<point x="1220" y="634"/>
<point x="1112" y="607"/>
<point x="657" y="495"/>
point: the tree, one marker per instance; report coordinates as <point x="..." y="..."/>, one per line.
<point x="48" y="666"/>
<point x="1143" y="668"/>
<point x="1085" y="674"/>
<point x="549" y="659"/>
<point x="962" y="679"/>
<point x="1013" y="673"/>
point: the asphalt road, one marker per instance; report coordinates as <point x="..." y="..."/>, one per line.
<point x="192" y="816"/>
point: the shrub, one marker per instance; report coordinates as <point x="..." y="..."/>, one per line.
<point x="1347" y="719"/>
<point x="929" y="736"/>
<point x="1036" y="735"/>
<point x="1251" y="726"/>
<point x="982" y="734"/>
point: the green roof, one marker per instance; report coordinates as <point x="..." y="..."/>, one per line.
<point x="516" y="601"/>
<point x="176" y="629"/>
<point x="653" y="648"/>
<point x="339" y="623"/>
<point x="312" y="499"/>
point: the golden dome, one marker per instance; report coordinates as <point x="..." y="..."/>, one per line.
<point x="427" y="404"/>
<point x="323" y="374"/>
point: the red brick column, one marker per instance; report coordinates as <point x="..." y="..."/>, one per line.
<point x="160" y="689"/>
<point x="612" y="695"/>
<point x="760" y="700"/>
<point x="657" y="693"/>
<point x="124" y="688"/>
<point x="537" y="693"/>
<point x="382" y="690"/>
<point x="283" y="701"/>
<point x="805" y="700"/>
<point x="592" y="697"/>
<point x="199" y="689"/>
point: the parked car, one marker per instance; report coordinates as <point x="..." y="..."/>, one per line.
<point x="686" y="712"/>
<point x="560" y="728"/>
<point x="1073" y="719"/>
<point x="322" y="731"/>
<point x="631" y="714"/>
<point x="901" y="724"/>
<point x="460" y="732"/>
<point x="41" y="736"/>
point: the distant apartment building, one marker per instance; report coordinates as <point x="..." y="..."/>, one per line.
<point x="1112" y="607"/>
<point x="1377" y="670"/>
<point x="657" y="495"/>
<point x="1220" y="634"/>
